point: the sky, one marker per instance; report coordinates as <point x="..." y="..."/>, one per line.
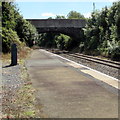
<point x="43" y="10"/>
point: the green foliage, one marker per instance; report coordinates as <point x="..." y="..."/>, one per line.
<point x="62" y="41"/>
<point x="60" y="17"/>
<point x="13" y="22"/>
<point x="50" y="18"/>
<point x="103" y="32"/>
<point x="75" y="15"/>
<point x="26" y="31"/>
<point x="8" y="37"/>
<point x="53" y="40"/>
<point x="8" y="15"/>
<point x="47" y="40"/>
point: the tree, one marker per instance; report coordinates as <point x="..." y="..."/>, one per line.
<point x="8" y="37"/>
<point x="60" y="17"/>
<point x="75" y="15"/>
<point x="14" y="23"/>
<point x="50" y="18"/>
<point x="8" y="18"/>
<point x="102" y="32"/>
<point x="26" y="31"/>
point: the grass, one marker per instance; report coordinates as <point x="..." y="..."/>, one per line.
<point x="20" y="104"/>
<point x="22" y="54"/>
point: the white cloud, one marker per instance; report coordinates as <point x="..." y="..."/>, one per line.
<point x="48" y="15"/>
<point x="87" y="15"/>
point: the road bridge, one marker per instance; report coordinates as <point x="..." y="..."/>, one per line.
<point x="71" y="27"/>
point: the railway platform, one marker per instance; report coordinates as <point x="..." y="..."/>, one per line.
<point x="66" y="89"/>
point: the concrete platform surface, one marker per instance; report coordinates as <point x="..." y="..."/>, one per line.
<point x="68" y="90"/>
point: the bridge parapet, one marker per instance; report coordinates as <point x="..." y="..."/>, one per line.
<point x="58" y="23"/>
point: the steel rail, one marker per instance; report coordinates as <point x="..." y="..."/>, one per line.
<point x="97" y="60"/>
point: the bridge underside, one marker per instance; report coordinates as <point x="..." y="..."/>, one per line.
<point x="72" y="32"/>
<point x="71" y="27"/>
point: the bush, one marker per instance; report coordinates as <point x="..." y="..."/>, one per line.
<point x="102" y="33"/>
<point x="115" y="54"/>
<point x="26" y="32"/>
<point x="9" y="37"/>
<point x="62" y="41"/>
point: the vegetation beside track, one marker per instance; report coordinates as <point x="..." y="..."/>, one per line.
<point x="100" y="37"/>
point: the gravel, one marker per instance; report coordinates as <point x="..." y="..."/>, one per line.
<point x="114" y="72"/>
<point x="11" y="83"/>
<point x="11" y="77"/>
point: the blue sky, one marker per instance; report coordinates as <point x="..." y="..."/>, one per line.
<point x="43" y="10"/>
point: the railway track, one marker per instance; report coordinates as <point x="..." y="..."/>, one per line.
<point x="97" y="60"/>
<point x="89" y="58"/>
<point x="111" y="68"/>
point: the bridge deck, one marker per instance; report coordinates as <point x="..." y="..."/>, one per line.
<point x="58" y="23"/>
<point x="68" y="90"/>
